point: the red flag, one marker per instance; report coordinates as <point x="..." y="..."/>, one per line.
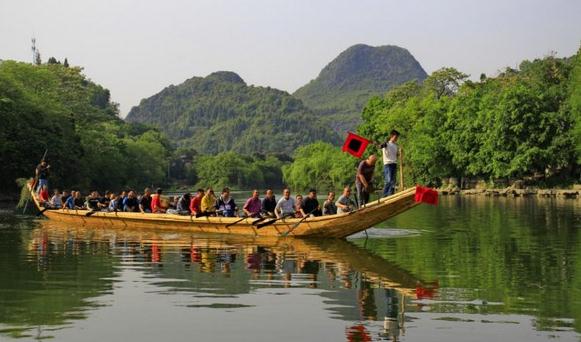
<point x="355" y="144"/>
<point x="426" y="195"/>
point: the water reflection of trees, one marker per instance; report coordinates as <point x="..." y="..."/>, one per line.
<point x="517" y="255"/>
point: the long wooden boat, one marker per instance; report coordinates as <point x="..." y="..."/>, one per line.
<point x="332" y="226"/>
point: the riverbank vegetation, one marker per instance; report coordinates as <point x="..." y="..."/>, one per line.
<point x="523" y="124"/>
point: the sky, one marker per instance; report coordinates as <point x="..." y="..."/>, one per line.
<point x="136" y="48"/>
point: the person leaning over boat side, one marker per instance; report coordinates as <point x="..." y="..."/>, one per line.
<point x="269" y="203"/>
<point x="329" y="207"/>
<point x="104" y="201"/>
<point x="311" y="204"/>
<point x="42" y="171"/>
<point x="253" y="206"/>
<point x="156" y="202"/>
<point x="286" y="205"/>
<point x="56" y="201"/>
<point x="145" y="201"/>
<point x="225" y="204"/>
<point x="131" y="203"/>
<point x="390" y="151"/>
<point x="208" y="204"/>
<point x="364" y="177"/>
<point x="345" y="204"/>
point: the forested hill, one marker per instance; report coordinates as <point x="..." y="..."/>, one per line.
<point x="346" y="84"/>
<point x="221" y="112"/>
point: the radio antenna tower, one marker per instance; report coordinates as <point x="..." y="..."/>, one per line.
<point x="35" y="53"/>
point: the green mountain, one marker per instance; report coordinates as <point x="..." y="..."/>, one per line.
<point x="345" y="85"/>
<point x="221" y="112"/>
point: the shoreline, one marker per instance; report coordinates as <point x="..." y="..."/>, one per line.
<point x="512" y="192"/>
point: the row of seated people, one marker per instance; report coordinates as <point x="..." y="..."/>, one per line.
<point x="203" y="203"/>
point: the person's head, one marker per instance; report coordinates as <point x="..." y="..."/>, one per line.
<point x="393" y="135"/>
<point x="226" y="192"/>
<point x="312" y="193"/>
<point x="347" y="191"/>
<point x="371" y="159"/>
<point x="209" y="191"/>
<point x="112" y="195"/>
<point x="147" y="191"/>
<point x="77" y="194"/>
<point x="131" y="194"/>
<point x="331" y="196"/>
<point x="43" y="162"/>
<point x="299" y="197"/>
<point x="158" y="191"/>
<point x="286" y="193"/>
<point x="255" y="193"/>
<point x="65" y="192"/>
<point x="269" y="193"/>
<point x="187" y="195"/>
<point x="200" y="193"/>
<point x="123" y="193"/>
<point x="56" y="191"/>
<point x="107" y="193"/>
<point x="45" y="187"/>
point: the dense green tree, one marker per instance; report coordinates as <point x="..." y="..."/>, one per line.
<point x="321" y="166"/>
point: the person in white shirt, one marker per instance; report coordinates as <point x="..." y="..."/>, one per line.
<point x="390" y="151"/>
<point x="286" y="205"/>
<point x="57" y="199"/>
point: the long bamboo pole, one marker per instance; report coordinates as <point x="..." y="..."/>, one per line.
<point x="401" y="170"/>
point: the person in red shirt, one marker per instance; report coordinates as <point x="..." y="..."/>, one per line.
<point x="43" y="195"/>
<point x="196" y="201"/>
<point x="156" y="202"/>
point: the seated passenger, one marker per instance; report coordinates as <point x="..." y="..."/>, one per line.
<point x="92" y="202"/>
<point x="182" y="206"/>
<point x="43" y="196"/>
<point x="299" y="212"/>
<point x="121" y="200"/>
<point x="311" y="204"/>
<point x="78" y="201"/>
<point x="196" y="202"/>
<point x="57" y="200"/>
<point x="329" y="207"/>
<point x="104" y="201"/>
<point x="145" y="201"/>
<point x="269" y="203"/>
<point x="113" y="199"/>
<point x="131" y="204"/>
<point x="226" y="205"/>
<point x="65" y="197"/>
<point x="253" y="207"/>
<point x="286" y="205"/>
<point x="208" y="204"/>
<point x="345" y="204"/>
<point x="156" y="202"/>
<point x="70" y="202"/>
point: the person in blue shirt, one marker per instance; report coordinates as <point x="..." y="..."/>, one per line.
<point x="226" y="204"/>
<point x="70" y="201"/>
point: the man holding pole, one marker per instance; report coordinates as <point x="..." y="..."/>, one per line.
<point x="391" y="152"/>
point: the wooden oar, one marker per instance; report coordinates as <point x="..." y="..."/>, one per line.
<point x="92" y="212"/>
<point x="267" y="223"/>
<point x="237" y="221"/>
<point x="42" y="211"/>
<point x="298" y="223"/>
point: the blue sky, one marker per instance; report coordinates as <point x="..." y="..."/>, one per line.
<point x="137" y="47"/>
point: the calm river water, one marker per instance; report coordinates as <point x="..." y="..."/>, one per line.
<point x="471" y="269"/>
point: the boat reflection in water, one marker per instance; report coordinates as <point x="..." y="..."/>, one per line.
<point x="356" y="285"/>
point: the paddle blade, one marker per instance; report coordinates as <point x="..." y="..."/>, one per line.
<point x="267" y="223"/>
<point x="426" y="195"/>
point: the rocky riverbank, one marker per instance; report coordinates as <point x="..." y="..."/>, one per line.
<point x="513" y="192"/>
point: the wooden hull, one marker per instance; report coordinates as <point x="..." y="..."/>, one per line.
<point x="333" y="226"/>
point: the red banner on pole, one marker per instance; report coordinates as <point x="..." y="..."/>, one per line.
<point x="426" y="195"/>
<point x="355" y="144"/>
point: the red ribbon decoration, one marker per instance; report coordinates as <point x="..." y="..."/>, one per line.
<point x="426" y="195"/>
